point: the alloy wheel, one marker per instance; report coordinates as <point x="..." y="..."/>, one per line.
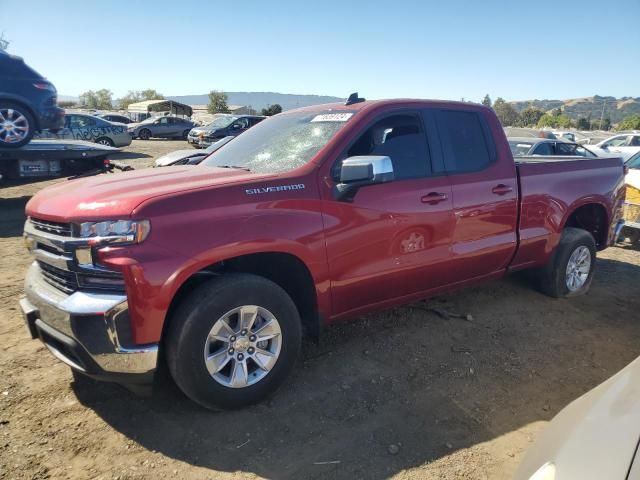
<point x="243" y="346"/>
<point x="14" y="126"/>
<point x="578" y="268"/>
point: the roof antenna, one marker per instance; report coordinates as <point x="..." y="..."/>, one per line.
<point x="353" y="98"/>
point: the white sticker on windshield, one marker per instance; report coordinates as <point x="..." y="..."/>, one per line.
<point x="332" y="117"/>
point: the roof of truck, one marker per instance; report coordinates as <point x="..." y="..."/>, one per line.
<point x="371" y="103"/>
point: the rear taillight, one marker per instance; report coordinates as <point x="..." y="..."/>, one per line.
<point x="44" y="86"/>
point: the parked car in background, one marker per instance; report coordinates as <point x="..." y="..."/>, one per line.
<point x="161" y="127"/>
<point x="190" y="157"/>
<point x="115" y="117"/>
<point x="312" y="217"/>
<point x="625" y="145"/>
<point x="28" y="102"/>
<point x="526" y="146"/>
<point x="80" y="126"/>
<point x="223" y="126"/>
<point x="570" y="136"/>
<point x="593" y="438"/>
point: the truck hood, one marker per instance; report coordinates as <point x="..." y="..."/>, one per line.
<point x="117" y="195"/>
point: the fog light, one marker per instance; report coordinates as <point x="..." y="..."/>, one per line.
<point x="83" y="256"/>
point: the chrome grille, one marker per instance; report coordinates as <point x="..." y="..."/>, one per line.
<point x="61" y="279"/>
<point x="57" y="228"/>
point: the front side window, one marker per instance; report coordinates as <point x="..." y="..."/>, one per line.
<point x="464" y="143"/>
<point x="583" y="152"/>
<point x="402" y="139"/>
<point x="284" y="142"/>
<point x="567" y="149"/>
<point x="634" y="162"/>
<point x="615" y="142"/>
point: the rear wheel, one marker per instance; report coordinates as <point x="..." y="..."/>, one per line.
<point x="233" y="341"/>
<point x="17" y="125"/>
<point x="145" y="134"/>
<point x="570" y="271"/>
<point x="105" y="141"/>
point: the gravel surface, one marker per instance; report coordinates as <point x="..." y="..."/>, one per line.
<point x="407" y="393"/>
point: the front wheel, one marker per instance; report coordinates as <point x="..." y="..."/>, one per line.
<point x="233" y="341"/>
<point x="570" y="271"/>
<point x="145" y="134"/>
<point x="185" y="134"/>
<point x="17" y="125"/>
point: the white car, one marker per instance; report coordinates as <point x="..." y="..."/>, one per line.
<point x="625" y="145"/>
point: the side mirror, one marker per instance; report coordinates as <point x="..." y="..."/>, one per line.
<point x="361" y="171"/>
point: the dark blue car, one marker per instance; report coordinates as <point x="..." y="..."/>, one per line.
<point x="28" y="103"/>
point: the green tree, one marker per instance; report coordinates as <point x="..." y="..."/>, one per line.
<point x="272" y="110"/>
<point x="606" y="124"/>
<point x="548" y="120"/>
<point x="486" y="101"/>
<point x="505" y="112"/>
<point x="4" y="43"/>
<point x="99" y="100"/>
<point x="582" y="123"/>
<point x="217" y="102"/>
<point x="134" y="96"/>
<point x="530" y="116"/>
<point x="632" y="122"/>
<point x="563" y="121"/>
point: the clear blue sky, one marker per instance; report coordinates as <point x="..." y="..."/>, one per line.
<point x="393" y="48"/>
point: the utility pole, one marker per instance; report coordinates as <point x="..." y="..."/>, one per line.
<point x="604" y="102"/>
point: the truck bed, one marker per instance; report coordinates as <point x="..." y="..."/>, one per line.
<point x="551" y="188"/>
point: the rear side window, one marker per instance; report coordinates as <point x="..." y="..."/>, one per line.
<point x="464" y="141"/>
<point x="543" y="149"/>
<point x="402" y="139"/>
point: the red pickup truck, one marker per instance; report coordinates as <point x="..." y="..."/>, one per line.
<point x="313" y="216"/>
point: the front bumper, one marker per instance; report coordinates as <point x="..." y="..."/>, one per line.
<point x="88" y="331"/>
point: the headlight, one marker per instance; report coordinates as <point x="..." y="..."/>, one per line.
<point x="115" y="231"/>
<point x="545" y="472"/>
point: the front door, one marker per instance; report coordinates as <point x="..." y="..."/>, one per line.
<point x="393" y="239"/>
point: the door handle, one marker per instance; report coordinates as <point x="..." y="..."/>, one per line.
<point x="434" y="197"/>
<point x="501" y="189"/>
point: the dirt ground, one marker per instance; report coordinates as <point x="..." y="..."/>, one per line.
<point x="405" y="393"/>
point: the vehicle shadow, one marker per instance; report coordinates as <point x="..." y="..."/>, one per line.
<point x="12" y="216"/>
<point x="420" y="378"/>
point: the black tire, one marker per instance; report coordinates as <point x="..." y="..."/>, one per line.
<point x="26" y="120"/>
<point x="145" y="134"/>
<point x="553" y="277"/>
<point x="105" y="141"/>
<point x="185" y="134"/>
<point x="193" y="320"/>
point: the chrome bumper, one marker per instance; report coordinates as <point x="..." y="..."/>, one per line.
<point x="88" y="331"/>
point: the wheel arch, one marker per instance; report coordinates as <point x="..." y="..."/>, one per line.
<point x="285" y="269"/>
<point x="590" y="215"/>
<point x="21" y="101"/>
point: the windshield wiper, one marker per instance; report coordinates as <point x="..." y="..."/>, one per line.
<point x="238" y="167"/>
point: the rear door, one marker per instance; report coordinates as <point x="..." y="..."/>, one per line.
<point x="393" y="239"/>
<point x="484" y="188"/>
